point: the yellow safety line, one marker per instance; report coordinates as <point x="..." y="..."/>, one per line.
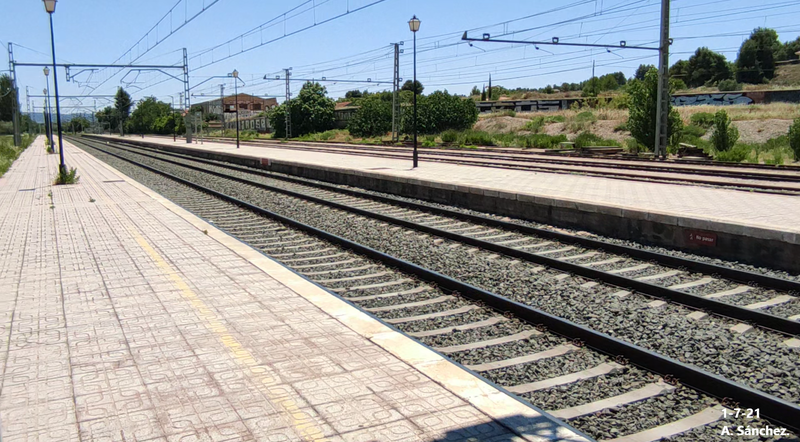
<point x="305" y="425"/>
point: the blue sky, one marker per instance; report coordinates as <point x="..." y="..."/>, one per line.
<point x="355" y="46"/>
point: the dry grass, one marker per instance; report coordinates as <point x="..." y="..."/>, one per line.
<point x="741" y="112"/>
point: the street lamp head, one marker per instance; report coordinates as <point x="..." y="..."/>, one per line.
<point x="46" y="71"/>
<point x="235" y="73"/>
<point x="50" y="6"/>
<point x="413" y="24"/>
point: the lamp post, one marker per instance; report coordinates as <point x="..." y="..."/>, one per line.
<point x="235" y="75"/>
<point x="413" y="24"/>
<point x="50" y="7"/>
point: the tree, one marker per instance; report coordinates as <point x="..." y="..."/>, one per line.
<point x="78" y="124"/>
<point x="438" y="112"/>
<point x="642" y="111"/>
<point x="353" y="94"/>
<point x="706" y="67"/>
<point x="680" y="70"/>
<point x="311" y="112"/>
<point x="372" y="119"/>
<point x="725" y="134"/>
<point x="756" y="62"/>
<point x="788" y="50"/>
<point x="148" y="112"/>
<point x="108" y="116"/>
<point x="483" y="95"/>
<point x="122" y="104"/>
<point x="7" y="97"/>
<point x="475" y="91"/>
<point x="642" y="70"/>
<point x="548" y="89"/>
<point x="409" y="86"/>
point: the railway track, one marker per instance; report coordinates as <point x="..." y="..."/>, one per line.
<point x="770" y="179"/>
<point x="566" y="378"/>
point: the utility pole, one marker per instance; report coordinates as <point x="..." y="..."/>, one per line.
<point x="222" y="108"/>
<point x="15" y="100"/>
<point x="395" y="92"/>
<point x="187" y="104"/>
<point x="662" y="109"/>
<point x="288" y="112"/>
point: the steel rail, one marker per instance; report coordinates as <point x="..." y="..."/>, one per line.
<point x="778" y="410"/>
<point x="765" y="188"/>
<point x="732" y="274"/>
<point x="764" y="320"/>
<point x="493" y="155"/>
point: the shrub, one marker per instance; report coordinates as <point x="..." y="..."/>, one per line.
<point x="738" y="154"/>
<point x="622" y="127"/>
<point x="586" y="116"/>
<point x="70" y="177"/>
<point x="581" y="121"/>
<point x="428" y="143"/>
<point x="729" y="85"/>
<point x="620" y="101"/>
<point x="535" y="125"/>
<point x="586" y="139"/>
<point x="373" y="118"/>
<point x="508" y="113"/>
<point x="449" y="136"/>
<point x="692" y="130"/>
<point x="542" y="141"/>
<point x="631" y="145"/>
<point x="311" y="112"/>
<point x="439" y="112"/>
<point x="643" y="108"/>
<point x="725" y="134"/>
<point x="702" y="119"/>
<point x="555" y="119"/>
<point x="477" y="138"/>
<point x="794" y="138"/>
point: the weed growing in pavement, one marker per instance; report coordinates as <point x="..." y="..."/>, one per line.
<point x="70" y="177"/>
<point x="91" y="200"/>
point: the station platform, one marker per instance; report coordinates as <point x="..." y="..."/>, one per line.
<point x="756" y="228"/>
<point x="125" y="317"/>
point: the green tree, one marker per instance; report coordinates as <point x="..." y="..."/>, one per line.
<point x="483" y="95"/>
<point x="122" y="104"/>
<point x="372" y="119"/>
<point x="475" y="91"/>
<point x="78" y="124"/>
<point x="642" y="70"/>
<point x="353" y="94"/>
<point x="7" y="97"/>
<point x="439" y="112"/>
<point x="706" y="67"/>
<point x="591" y="88"/>
<point x="311" y="112"/>
<point x="788" y="50"/>
<point x="108" y="117"/>
<point x="725" y="134"/>
<point x="680" y="70"/>
<point x="409" y="86"/>
<point x="147" y="113"/>
<point x="794" y="138"/>
<point x="642" y="111"/>
<point x="756" y="62"/>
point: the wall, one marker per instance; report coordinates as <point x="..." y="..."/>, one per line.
<point x="714" y="99"/>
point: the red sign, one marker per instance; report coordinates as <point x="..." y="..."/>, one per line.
<point x="266" y="162"/>
<point x="701" y="238"/>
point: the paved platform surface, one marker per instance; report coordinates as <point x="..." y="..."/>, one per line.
<point x="123" y="320"/>
<point x="727" y="209"/>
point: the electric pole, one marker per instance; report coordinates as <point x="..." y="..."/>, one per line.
<point x="288" y="118"/>
<point x="662" y="107"/>
<point x="395" y="92"/>
<point x="222" y="108"/>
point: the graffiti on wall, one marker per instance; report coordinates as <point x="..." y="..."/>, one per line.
<point x="711" y="99"/>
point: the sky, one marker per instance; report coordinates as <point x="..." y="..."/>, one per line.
<point x="351" y="40"/>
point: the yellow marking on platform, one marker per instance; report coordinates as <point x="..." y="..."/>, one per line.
<point x="305" y="426"/>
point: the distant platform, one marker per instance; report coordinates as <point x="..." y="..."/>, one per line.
<point x="127" y="318"/>
<point x="756" y="228"/>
